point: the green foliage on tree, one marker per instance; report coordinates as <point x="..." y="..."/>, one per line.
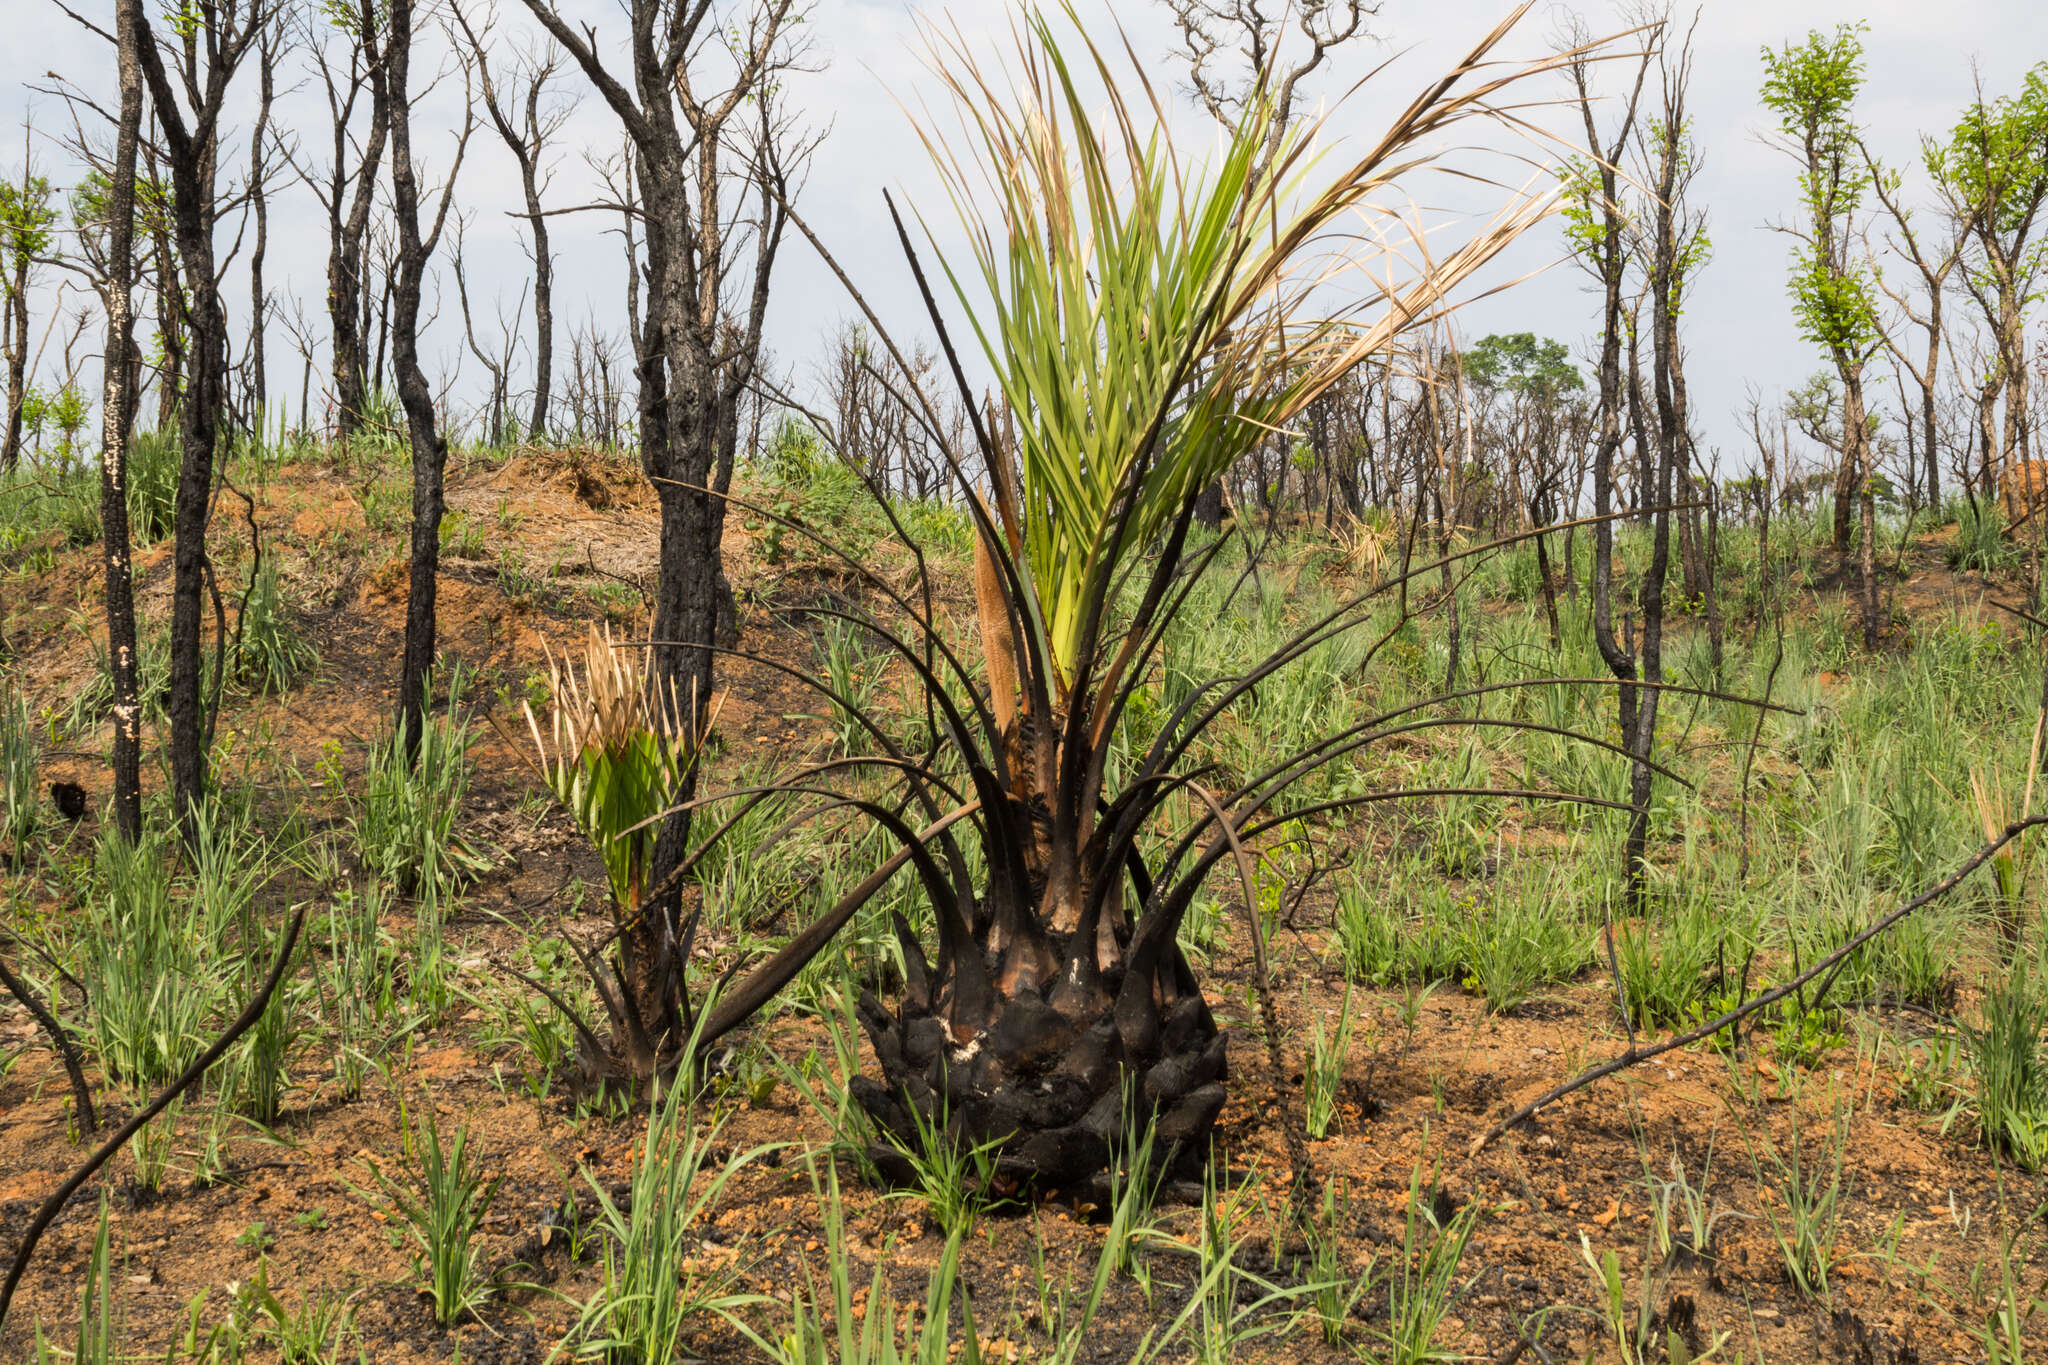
<point x="1524" y="365"/>
<point x="26" y="219"/>
<point x="1579" y="205"/>
<point x="1812" y="87"/>
<point x="1996" y="157"/>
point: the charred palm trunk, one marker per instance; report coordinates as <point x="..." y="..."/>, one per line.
<point x="1053" y="1041"/>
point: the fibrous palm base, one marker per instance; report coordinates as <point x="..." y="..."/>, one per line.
<point x="1047" y="1061"/>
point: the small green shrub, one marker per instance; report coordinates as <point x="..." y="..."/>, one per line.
<point x="404" y="824"/>
<point x="462" y="536"/>
<point x="1517" y="947"/>
<point x="1422" y="1287"/>
<point x="152" y="479"/>
<point x="653" y="1290"/>
<point x="152" y="984"/>
<point x="1979" y="545"/>
<point x="1811" y="1193"/>
<point x="854" y="674"/>
<point x="1324" y="1074"/>
<point x="101" y="1315"/>
<point x="1665" y="971"/>
<point x="1369" y="934"/>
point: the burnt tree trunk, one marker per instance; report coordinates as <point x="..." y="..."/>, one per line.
<point x="117" y="406"/>
<point x="429" y="445"/>
<point x="16" y="255"/>
<point x="698" y="344"/>
<point x="192" y="148"/>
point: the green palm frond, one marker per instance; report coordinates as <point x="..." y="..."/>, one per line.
<point x="1150" y="321"/>
<point x="620" y="753"/>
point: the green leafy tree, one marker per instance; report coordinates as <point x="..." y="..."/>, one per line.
<point x="1993" y="171"/>
<point x="1525" y="365"/>
<point x="1532" y="400"/>
<point x="1812" y="86"/>
<point x="27" y="217"/>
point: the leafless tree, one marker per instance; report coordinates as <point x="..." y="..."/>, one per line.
<point x="429" y="443"/>
<point x="347" y="54"/>
<point x="1238" y="51"/>
<point x="714" y="156"/>
<point x="264" y="163"/>
<point x="527" y="117"/>
<point x="1600" y="221"/>
<point x="189" y="79"/>
<point x="1935" y="260"/>
<point x="497" y="364"/>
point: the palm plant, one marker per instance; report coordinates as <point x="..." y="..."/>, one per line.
<point x="1149" y="322"/>
<point x="616" y="756"/>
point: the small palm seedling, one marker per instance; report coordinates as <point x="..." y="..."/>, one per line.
<point x="1679" y="1205"/>
<point x="442" y="1203"/>
<point x="618" y="755"/>
<point x="100" y="1313"/>
<point x="356" y="978"/>
<point x="953" y="1179"/>
<point x="1324" y="1074"/>
<point x="1231" y="1306"/>
<point x="1337" y="1290"/>
<point x="655" y="1289"/>
<point x="312" y="1333"/>
<point x="876" y="1331"/>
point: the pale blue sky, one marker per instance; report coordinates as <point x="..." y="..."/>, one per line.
<point x="1922" y="61"/>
